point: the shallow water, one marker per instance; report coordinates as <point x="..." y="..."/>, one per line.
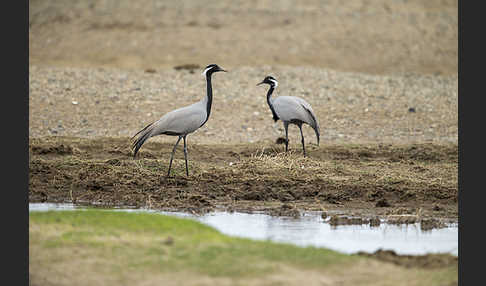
<point x="311" y="230"/>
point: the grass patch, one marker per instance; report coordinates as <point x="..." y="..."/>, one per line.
<point x="114" y="245"/>
<point x="194" y="245"/>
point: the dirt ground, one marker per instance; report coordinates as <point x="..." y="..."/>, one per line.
<point x="381" y="77"/>
<point x="415" y="181"/>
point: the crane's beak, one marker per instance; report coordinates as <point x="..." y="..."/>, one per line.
<point x="260" y="83"/>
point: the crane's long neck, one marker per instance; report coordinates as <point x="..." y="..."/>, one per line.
<point x="269" y="96"/>
<point x="208" y="100"/>
<point x="270" y="104"/>
<point x="209" y="96"/>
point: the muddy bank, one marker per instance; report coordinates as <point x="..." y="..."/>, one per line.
<point x="368" y="180"/>
<point x="429" y="261"/>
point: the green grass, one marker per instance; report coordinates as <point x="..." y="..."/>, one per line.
<point x="120" y="248"/>
<point x="139" y="240"/>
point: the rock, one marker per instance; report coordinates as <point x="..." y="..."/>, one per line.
<point x="280" y="140"/>
<point x="324" y="215"/>
<point x="402" y="219"/>
<point x="375" y="221"/>
<point x="382" y="203"/>
<point x="345" y="220"/>
<point x="430" y="223"/>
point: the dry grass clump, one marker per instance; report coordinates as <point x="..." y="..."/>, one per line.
<point x="291" y="161"/>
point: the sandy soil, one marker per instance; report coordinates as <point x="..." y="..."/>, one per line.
<point x="370" y="36"/>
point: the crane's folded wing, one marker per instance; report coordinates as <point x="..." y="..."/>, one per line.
<point x="181" y="121"/>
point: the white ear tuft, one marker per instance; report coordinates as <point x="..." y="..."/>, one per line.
<point x="206" y="70"/>
<point x="274" y="81"/>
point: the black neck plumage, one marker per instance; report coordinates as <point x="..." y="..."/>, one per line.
<point x="209" y="90"/>
<point x="269" y="94"/>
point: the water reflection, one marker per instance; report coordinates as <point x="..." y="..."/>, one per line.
<point x="312" y="230"/>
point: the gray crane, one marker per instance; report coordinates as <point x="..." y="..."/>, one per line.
<point x="291" y="110"/>
<point x="182" y="121"/>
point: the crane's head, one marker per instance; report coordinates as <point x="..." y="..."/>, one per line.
<point x="211" y="69"/>
<point x="270" y="80"/>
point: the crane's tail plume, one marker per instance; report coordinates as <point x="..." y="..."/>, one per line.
<point x="143" y="135"/>
<point x="314" y="124"/>
<point x="317" y="134"/>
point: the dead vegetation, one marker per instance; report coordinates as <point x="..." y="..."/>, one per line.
<point x="247" y="177"/>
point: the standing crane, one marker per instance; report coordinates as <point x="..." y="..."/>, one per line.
<point x="182" y="121"/>
<point x="291" y="110"/>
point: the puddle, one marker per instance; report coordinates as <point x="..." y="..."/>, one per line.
<point x="311" y="230"/>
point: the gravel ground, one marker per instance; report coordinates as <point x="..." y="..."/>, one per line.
<point x="373" y="70"/>
<point x="351" y="107"/>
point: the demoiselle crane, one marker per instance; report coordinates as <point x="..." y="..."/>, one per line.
<point x="291" y="110"/>
<point x="182" y="121"/>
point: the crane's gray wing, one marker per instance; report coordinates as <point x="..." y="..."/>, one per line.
<point x="314" y="123"/>
<point x="293" y="108"/>
<point x="184" y="120"/>
<point x="181" y="121"/>
<point x="290" y="108"/>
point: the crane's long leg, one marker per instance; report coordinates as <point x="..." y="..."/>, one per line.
<point x="286" y="126"/>
<point x="172" y="156"/>
<point x="302" y="135"/>
<point x="185" y="155"/>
